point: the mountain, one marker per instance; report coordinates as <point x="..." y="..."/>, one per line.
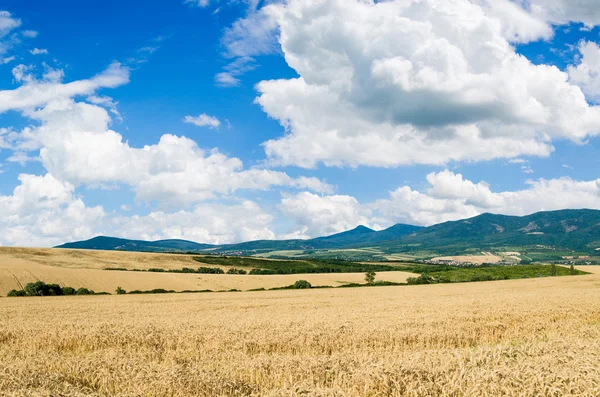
<point x="350" y="238"/>
<point x="568" y="229"/>
<point x="572" y="229"/>
<point x="113" y="243"/>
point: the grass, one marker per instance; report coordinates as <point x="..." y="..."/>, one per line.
<point x="487" y="273"/>
<point x="519" y="337"/>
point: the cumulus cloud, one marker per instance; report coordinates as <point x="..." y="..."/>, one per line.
<point x="586" y="74"/>
<point x="77" y="146"/>
<point x="559" y="12"/>
<point x="43" y="211"/>
<point x="316" y="215"/>
<point x="212" y="223"/>
<point x="203" y="120"/>
<point x="451" y="197"/>
<point x="405" y="82"/>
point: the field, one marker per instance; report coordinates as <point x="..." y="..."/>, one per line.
<point x="505" y="338"/>
<point x="73" y="268"/>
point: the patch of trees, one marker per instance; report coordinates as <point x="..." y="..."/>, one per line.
<point x="39" y="288"/>
<point x="289" y="266"/>
<point x="200" y="270"/>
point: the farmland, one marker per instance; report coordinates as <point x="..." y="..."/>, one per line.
<point x="19" y="266"/>
<point x="518" y="337"/>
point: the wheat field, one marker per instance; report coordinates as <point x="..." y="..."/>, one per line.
<point x="531" y="337"/>
<point x="80" y="268"/>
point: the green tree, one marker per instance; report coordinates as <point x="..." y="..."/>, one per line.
<point x="554" y="269"/>
<point x="302" y="284"/>
<point x="572" y="270"/>
<point x="370" y="277"/>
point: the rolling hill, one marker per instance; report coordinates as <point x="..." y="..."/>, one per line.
<point x="566" y="229"/>
<point x="120" y="244"/>
<point x="569" y="229"/>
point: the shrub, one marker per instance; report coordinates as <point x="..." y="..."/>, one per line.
<point x="15" y="292"/>
<point x="38" y="288"/>
<point x="302" y="284"/>
<point x="210" y="270"/>
<point x="120" y="291"/>
<point x="422" y="279"/>
<point x="262" y="272"/>
<point x="236" y="271"/>
<point x="84" y="291"/>
<point x="68" y="291"/>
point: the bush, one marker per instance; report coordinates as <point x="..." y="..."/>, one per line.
<point x="68" y="291"/>
<point x="302" y="284"/>
<point x="210" y="270"/>
<point x="262" y="272"/>
<point x="84" y="291"/>
<point x="120" y="291"/>
<point x="422" y="279"/>
<point x="15" y="292"/>
<point x="236" y="271"/>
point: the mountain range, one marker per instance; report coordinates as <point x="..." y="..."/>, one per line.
<point x="564" y="229"/>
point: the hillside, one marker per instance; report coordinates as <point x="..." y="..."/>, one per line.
<point x="347" y="239"/>
<point x="575" y="230"/>
<point x="120" y="244"/>
<point x="571" y="229"/>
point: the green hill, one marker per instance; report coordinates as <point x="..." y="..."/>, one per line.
<point x="120" y="244"/>
<point x="574" y="230"/>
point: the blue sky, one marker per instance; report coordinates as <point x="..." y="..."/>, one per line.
<point x="317" y="117"/>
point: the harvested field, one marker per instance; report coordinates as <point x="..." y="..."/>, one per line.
<point x="76" y="269"/>
<point x="475" y="259"/>
<point x="509" y="338"/>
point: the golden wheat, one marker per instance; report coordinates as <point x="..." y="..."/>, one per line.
<point x="509" y="338"/>
<point x="78" y="268"/>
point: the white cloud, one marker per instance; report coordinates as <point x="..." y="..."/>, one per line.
<point x="38" y="51"/>
<point x="316" y="215"/>
<point x="226" y="79"/>
<point x="77" y="146"/>
<point x="43" y="211"/>
<point x="252" y="35"/>
<point x="518" y="25"/>
<point x="587" y="73"/>
<point x="29" y="34"/>
<point x="106" y="102"/>
<point x="404" y="82"/>
<point x="203" y="120"/>
<point x="34" y="93"/>
<point x="451" y="197"/>
<point x="4" y="61"/>
<point x="7" y="23"/>
<point x="561" y="12"/>
<point x="211" y="223"/>
<point x="197" y="3"/>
